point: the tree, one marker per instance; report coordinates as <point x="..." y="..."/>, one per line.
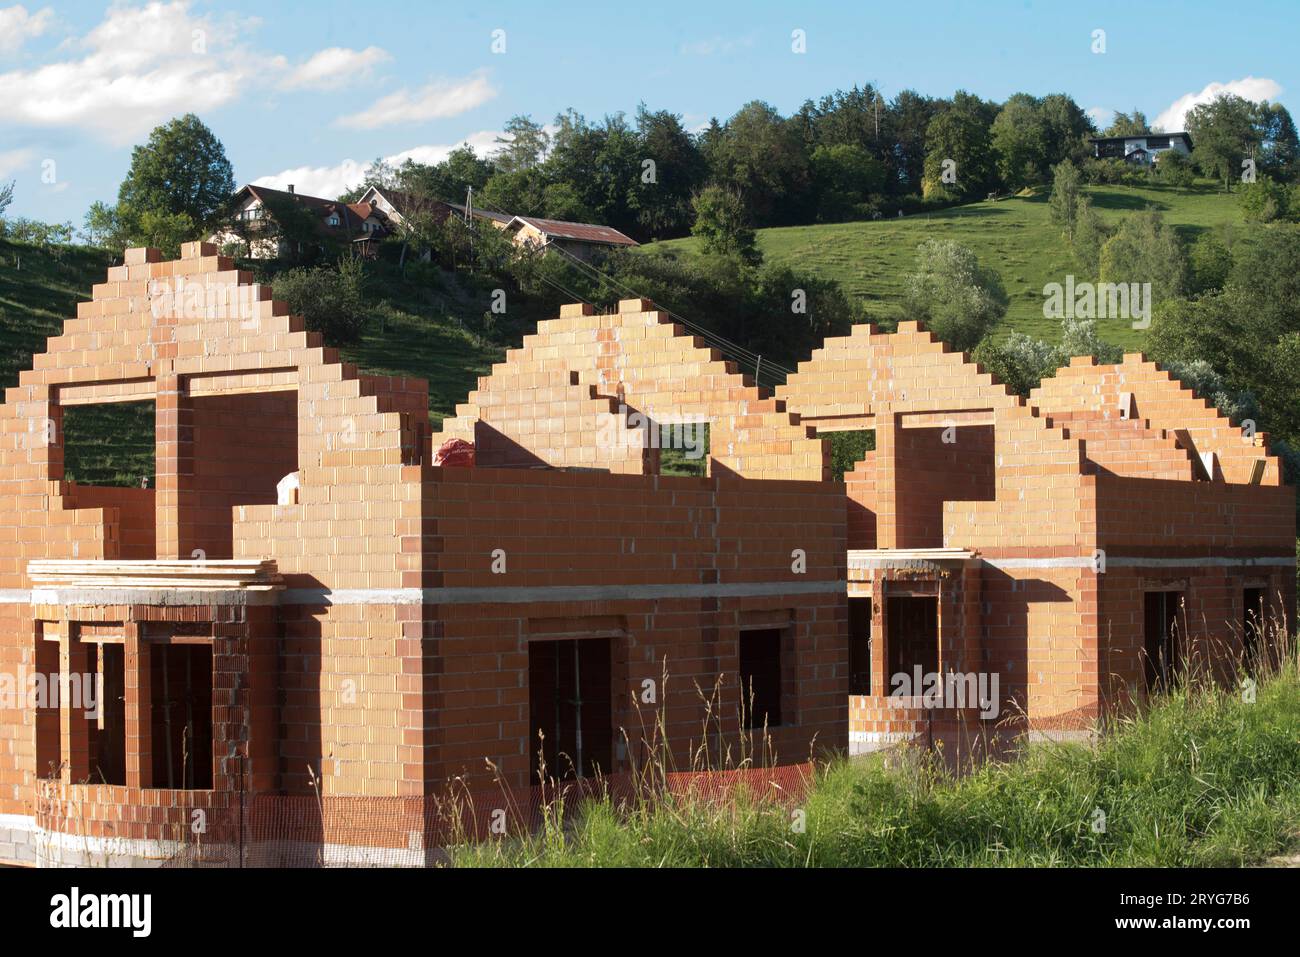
<point x="1225" y="132"/>
<point x="450" y="179"/>
<point x="762" y="158"/>
<point x="602" y="164"/>
<point x="661" y="193"/>
<point x="1019" y="362"/>
<point x="957" y="298"/>
<point x="524" y="145"/>
<point x="380" y="173"/>
<point x="104" y="228"/>
<point x="1145" y="250"/>
<point x="1280" y="150"/>
<point x="958" y="150"/>
<point x="722" y="224"/>
<point x="1091" y="233"/>
<point x="1020" y="141"/>
<point x="844" y="178"/>
<point x="181" y="170"/>
<point x="910" y="115"/>
<point x="1128" y="124"/>
<point x="1065" y="130"/>
<point x="1175" y="168"/>
<point x="1249" y="332"/>
<point x="1063" y="204"/>
<point x="518" y="193"/>
<point x="6" y="197"/>
<point x="561" y="201"/>
<point x="1210" y="264"/>
<point x="163" y="230"/>
<point x="331" y="299"/>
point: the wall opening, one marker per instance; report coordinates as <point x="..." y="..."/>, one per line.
<point x="683" y="449"/>
<point x="1252" y="627"/>
<point x="761" y="677"/>
<point x="48" y="731"/>
<point x="912" y="635"/>
<point x="570" y="705"/>
<point x="1161" y="639"/>
<point x="106" y="722"/>
<point x="109" y="444"/>
<point x="180" y="719"/>
<point x="243" y="445"/>
<point x="848" y="449"/>
<point x="860" y="646"/>
<point x="108" y="461"/>
<point x="938" y="465"/>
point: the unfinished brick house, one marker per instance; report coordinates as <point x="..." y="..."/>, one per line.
<point x="1080" y="545"/>
<point x="303" y="604"/>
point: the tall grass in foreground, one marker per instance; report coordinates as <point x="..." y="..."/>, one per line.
<point x="1202" y="777"/>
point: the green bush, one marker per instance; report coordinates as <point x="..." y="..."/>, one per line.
<point x="953" y="294"/>
<point x="1264" y="201"/>
<point x="331" y="299"/>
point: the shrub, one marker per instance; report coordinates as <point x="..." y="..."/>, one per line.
<point x="331" y="299"/>
<point x="1210" y="263"/>
<point x="1144" y="250"/>
<point x="1264" y="201"/>
<point x="1175" y="169"/>
<point x="957" y="298"/>
<point x="722" y="224"/>
<point x="1091" y="233"/>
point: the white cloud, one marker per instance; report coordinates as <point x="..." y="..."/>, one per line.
<point x="1101" y="116"/>
<point x="11" y="161"/>
<point x="715" y="45"/>
<point x="142" y="65"/>
<point x="437" y="100"/>
<point x="333" y="68"/>
<point x="330" y="181"/>
<point x="1251" y="88"/>
<point x="17" y="26"/>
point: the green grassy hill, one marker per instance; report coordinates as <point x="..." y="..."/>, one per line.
<point x="1014" y="236"/>
<point x="430" y="324"/>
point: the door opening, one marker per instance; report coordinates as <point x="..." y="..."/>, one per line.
<point x="570" y="705"/>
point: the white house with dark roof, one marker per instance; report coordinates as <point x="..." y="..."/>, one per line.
<point x="1144" y="149"/>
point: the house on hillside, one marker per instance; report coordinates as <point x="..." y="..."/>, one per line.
<point x="272" y="223"/>
<point x="581" y="240"/>
<point x="396" y="206"/>
<point x="1142" y="150"/>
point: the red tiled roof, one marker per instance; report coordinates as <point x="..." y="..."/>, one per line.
<point x="581" y="232"/>
<point x="350" y="219"/>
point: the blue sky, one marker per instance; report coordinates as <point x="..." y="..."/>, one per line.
<point x="309" y="92"/>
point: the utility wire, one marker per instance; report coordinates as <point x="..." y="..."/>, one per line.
<point x="731" y="349"/>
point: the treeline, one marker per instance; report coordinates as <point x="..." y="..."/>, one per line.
<point x="851" y="155"/>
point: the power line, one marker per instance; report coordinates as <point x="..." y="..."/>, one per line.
<point x="727" y="347"/>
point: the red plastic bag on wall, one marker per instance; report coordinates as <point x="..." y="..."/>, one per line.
<point x="456" y="453"/>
